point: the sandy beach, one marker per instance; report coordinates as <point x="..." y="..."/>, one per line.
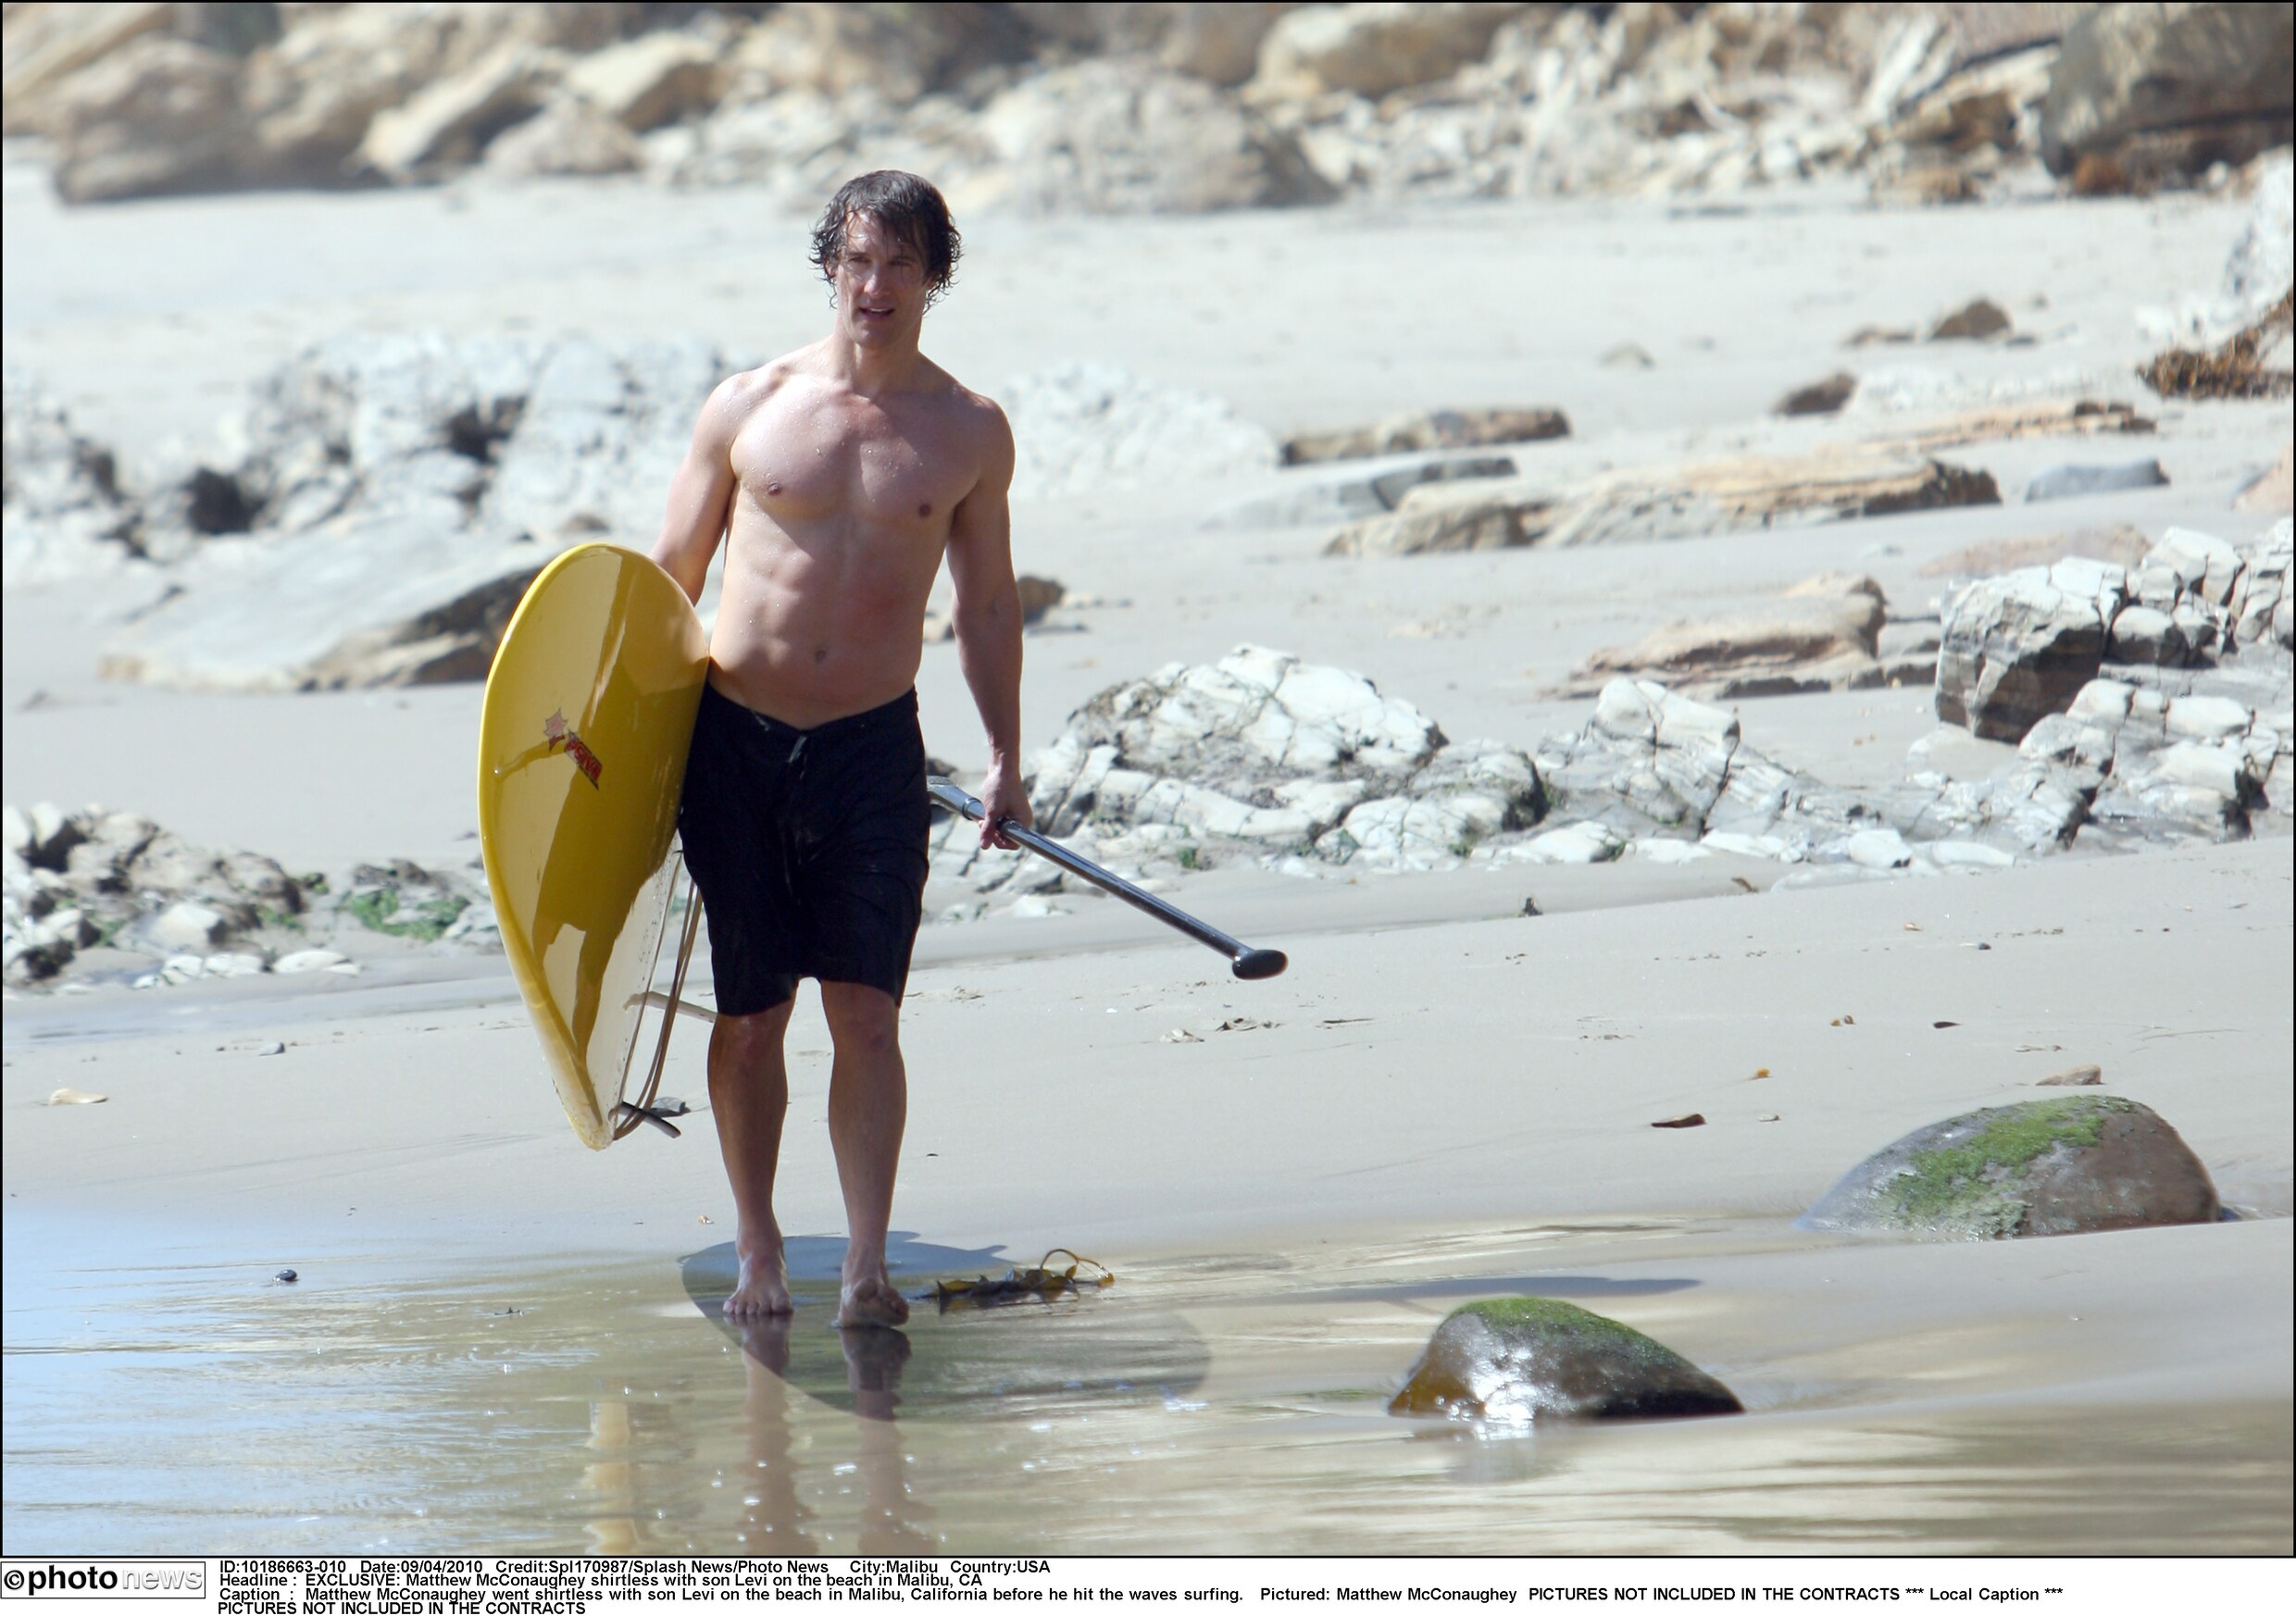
<point x="499" y="1340"/>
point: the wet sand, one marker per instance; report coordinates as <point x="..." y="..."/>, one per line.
<point x="1452" y="1099"/>
<point x="1220" y="1404"/>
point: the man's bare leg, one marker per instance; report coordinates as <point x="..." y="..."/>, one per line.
<point x="868" y="1107"/>
<point x="749" y="1096"/>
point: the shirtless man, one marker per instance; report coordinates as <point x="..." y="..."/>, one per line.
<point x="838" y="476"/>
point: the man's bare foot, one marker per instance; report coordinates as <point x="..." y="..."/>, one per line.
<point x="869" y="1299"/>
<point x="763" y="1287"/>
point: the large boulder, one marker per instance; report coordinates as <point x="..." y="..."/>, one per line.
<point x="1518" y="1360"/>
<point x="2166" y="90"/>
<point x="2017" y="648"/>
<point x="159" y="115"/>
<point x="657" y="78"/>
<point x="2077" y="1165"/>
<point x="446" y="124"/>
<point x="1371" y="49"/>
<point x="1129" y="137"/>
<point x="566" y="137"/>
<point x="1083" y="428"/>
<point x="898" y="52"/>
<point x="1823" y="634"/>
<point x="47" y="44"/>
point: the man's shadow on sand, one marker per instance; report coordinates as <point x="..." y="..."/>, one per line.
<point x="941" y="1362"/>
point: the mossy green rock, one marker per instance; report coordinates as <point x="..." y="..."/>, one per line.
<point x="1521" y="1359"/>
<point x="2071" y="1166"/>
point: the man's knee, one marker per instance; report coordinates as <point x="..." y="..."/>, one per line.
<point x="862" y="1020"/>
<point x="749" y="1038"/>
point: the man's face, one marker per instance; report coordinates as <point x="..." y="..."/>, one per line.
<point x="880" y="285"/>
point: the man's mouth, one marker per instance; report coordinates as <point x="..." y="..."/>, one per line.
<point x="869" y="312"/>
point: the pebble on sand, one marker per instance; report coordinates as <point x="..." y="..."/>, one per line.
<point x="2082" y="1077"/>
<point x="74" y="1097"/>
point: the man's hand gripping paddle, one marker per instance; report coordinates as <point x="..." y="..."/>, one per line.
<point x="1249" y="964"/>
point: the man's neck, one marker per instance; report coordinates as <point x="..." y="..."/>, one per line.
<point x="873" y="372"/>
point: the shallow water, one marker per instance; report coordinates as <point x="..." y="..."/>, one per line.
<point x="1217" y="1404"/>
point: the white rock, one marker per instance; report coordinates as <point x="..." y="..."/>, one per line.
<point x="183" y="927"/>
<point x="303" y="960"/>
<point x="1665" y="851"/>
<point x="2208" y="718"/>
<point x="14" y="830"/>
<point x="1972" y="855"/>
<point x="1879" y="850"/>
<point x="233" y="965"/>
<point x="1588" y="842"/>
<point x="1032" y="907"/>
<point x="2206" y="768"/>
<point x="2101" y="701"/>
<point x="1756" y="847"/>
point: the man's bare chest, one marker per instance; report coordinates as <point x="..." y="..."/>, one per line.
<point x="803" y="465"/>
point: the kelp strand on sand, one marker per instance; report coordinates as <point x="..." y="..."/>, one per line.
<point x="1018" y="1283"/>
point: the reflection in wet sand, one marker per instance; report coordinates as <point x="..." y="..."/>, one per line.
<point x="1220" y="1405"/>
<point x="773" y="1518"/>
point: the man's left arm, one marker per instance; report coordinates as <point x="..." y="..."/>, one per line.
<point x="987" y="625"/>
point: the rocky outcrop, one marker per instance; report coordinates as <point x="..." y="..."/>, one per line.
<point x="120" y="883"/>
<point x="2082" y="417"/>
<point x="1519" y="1359"/>
<point x="1126" y="137"/>
<point x="1264" y="755"/>
<point x="2082" y="1164"/>
<point x="2018" y="648"/>
<point x="2162" y="92"/>
<point x="74" y="880"/>
<point x="1715" y="497"/>
<point x="66" y="515"/>
<point x="2015" y="649"/>
<point x="394" y="496"/>
<point x="1422" y="431"/>
<point x="572" y="138"/>
<point x="1370" y="49"/>
<point x="1824" y="634"/>
<point x="1134" y="107"/>
<point x="1082" y="429"/>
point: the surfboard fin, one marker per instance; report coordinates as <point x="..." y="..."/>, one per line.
<point x="655" y="999"/>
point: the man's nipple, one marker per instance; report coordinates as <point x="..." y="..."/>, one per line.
<point x="925" y="510"/>
<point x="773" y="488"/>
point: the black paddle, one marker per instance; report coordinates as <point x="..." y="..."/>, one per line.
<point x="1249" y="964"/>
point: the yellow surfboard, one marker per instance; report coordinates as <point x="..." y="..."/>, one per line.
<point x="582" y="746"/>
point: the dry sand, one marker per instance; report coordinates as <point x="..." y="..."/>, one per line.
<point x="1451" y="1098"/>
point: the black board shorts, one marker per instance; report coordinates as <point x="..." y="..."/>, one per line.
<point x="808" y="846"/>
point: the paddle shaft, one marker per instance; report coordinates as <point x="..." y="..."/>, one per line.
<point x="1248" y="963"/>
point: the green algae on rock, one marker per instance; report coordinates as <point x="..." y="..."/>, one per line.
<point x="2077" y="1165"/>
<point x="1517" y="1359"/>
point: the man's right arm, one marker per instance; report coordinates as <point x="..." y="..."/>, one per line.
<point x="701" y="495"/>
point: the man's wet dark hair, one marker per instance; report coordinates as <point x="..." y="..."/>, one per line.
<point x="902" y="204"/>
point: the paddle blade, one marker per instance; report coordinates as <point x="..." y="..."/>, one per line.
<point x="1254" y="965"/>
